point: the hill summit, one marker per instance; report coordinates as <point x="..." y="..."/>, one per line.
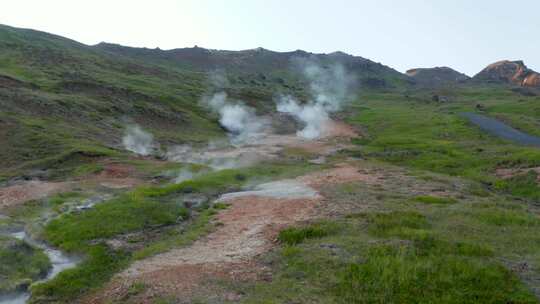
<point x="436" y="76"/>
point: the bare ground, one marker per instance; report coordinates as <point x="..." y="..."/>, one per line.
<point x="509" y="173"/>
<point x="113" y="176"/>
<point x="18" y="194"/>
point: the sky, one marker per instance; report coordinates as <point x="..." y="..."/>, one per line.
<point x="464" y="35"/>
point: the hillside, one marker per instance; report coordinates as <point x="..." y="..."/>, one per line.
<point x="133" y="175"/>
<point x="85" y="95"/>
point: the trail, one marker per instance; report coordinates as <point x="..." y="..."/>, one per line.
<point x="247" y="229"/>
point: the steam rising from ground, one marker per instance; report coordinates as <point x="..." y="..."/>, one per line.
<point x="330" y="89"/>
<point x="249" y="136"/>
<point x="240" y="120"/>
<point x="243" y="127"/>
<point x="138" y="141"/>
<point x="314" y="116"/>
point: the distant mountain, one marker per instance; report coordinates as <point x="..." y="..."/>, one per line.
<point x="509" y="72"/>
<point x="432" y="77"/>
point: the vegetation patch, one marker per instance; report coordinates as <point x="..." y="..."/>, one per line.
<point x="505" y="217"/>
<point x="396" y="223"/>
<point x="296" y="235"/>
<point x="525" y="185"/>
<point x="435" y="200"/>
<point x="143" y="209"/>
<point x="398" y="275"/>
<point x="99" y="264"/>
<point x="443" y="142"/>
<point x="21" y="264"/>
<point x="398" y="257"/>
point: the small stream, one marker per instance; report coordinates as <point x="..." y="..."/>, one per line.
<point x="59" y="262"/>
<point x="502" y="130"/>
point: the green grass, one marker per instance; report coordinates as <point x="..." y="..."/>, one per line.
<point x="399" y="275"/>
<point x="99" y="265"/>
<point x="441" y="141"/>
<point x="427" y="199"/>
<point x="525" y="185"/>
<point x="148" y="207"/>
<point x="21" y="264"/>
<point x="396" y="252"/>
<point x="63" y="197"/>
<point x="143" y="209"/>
<point x="121" y="215"/>
<point x="177" y="238"/>
<point x="296" y="235"/>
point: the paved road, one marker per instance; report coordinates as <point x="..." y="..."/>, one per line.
<point x="497" y="128"/>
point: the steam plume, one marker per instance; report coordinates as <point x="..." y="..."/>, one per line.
<point x="240" y="120"/>
<point x="330" y="90"/>
<point x="138" y="141"/>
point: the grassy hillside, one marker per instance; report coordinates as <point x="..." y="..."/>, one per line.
<point x="412" y="130"/>
<point x="62" y="100"/>
<point x="439" y="225"/>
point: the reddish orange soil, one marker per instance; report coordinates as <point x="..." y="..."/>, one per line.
<point x="32" y="190"/>
<point x="116" y="176"/>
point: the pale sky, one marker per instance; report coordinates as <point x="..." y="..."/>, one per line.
<point x="463" y="34"/>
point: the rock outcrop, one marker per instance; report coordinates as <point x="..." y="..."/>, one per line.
<point x="511" y="72"/>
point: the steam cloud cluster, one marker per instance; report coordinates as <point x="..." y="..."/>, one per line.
<point x="330" y="89"/>
<point x="138" y="141"/>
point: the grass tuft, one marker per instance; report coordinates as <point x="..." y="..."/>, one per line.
<point x="435" y="200"/>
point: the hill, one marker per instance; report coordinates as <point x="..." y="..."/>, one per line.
<point x="259" y="62"/>
<point x="509" y="72"/>
<point x="438" y="76"/>
<point x="83" y="96"/>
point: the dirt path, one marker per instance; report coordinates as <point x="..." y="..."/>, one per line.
<point x="246" y="229"/>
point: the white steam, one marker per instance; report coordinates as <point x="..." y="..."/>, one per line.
<point x="330" y="90"/>
<point x="217" y="159"/>
<point x="238" y="119"/>
<point x="314" y="116"/>
<point x="138" y="141"/>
